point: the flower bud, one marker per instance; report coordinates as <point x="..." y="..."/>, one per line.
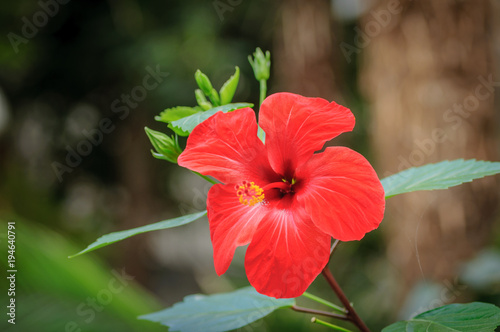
<point x="167" y="148"/>
<point x="203" y="82"/>
<point x="206" y="86"/>
<point x="261" y="64"/>
<point x="201" y="100"/>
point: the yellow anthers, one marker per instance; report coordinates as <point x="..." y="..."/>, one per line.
<point x="249" y="193"/>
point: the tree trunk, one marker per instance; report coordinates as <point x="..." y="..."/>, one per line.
<point x="303" y="49"/>
<point x="426" y="72"/>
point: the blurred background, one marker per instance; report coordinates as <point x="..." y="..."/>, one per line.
<point x="79" y="81"/>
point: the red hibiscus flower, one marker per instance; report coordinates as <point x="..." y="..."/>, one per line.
<point x="283" y="199"/>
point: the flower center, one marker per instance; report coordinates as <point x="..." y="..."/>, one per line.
<point x="285" y="187"/>
<point x="249" y="193"/>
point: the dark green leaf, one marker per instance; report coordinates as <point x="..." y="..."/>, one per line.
<point x="219" y="312"/>
<point x="470" y="317"/>
<point x="187" y="124"/>
<point x="118" y="236"/>
<point x="438" y="176"/>
<point x="229" y="88"/>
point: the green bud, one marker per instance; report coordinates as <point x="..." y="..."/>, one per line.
<point x="261" y="64"/>
<point x="203" y="82"/>
<point x="201" y="100"/>
<point x="167" y="148"/>
<point x="214" y="97"/>
<point x="206" y="86"/>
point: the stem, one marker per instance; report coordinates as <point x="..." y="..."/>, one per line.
<point x="263" y="91"/>
<point x="351" y="313"/>
<point x="334" y="327"/>
<point x="324" y="302"/>
<point x="319" y="312"/>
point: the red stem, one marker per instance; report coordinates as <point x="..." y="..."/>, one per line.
<point x="351" y="313"/>
<point x="319" y="312"/>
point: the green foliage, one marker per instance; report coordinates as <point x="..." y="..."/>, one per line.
<point x="188" y="123"/>
<point x="441" y="175"/>
<point x="167" y="148"/>
<point x="53" y="292"/>
<point x="229" y="88"/>
<point x="471" y="317"/>
<point x="121" y="235"/>
<point x="181" y="118"/>
<point x="219" y="312"/>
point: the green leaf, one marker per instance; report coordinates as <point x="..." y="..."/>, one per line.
<point x="187" y="124"/>
<point x="438" y="176"/>
<point x="219" y="312"/>
<point x="470" y="317"/>
<point x="229" y="88"/>
<point x="118" y="236"/>
<point x="176" y="113"/>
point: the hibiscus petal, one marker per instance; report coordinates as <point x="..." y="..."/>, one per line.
<point x="342" y="193"/>
<point x="297" y="126"/>
<point x="226" y="147"/>
<point x="286" y="254"/>
<point x="232" y="223"/>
